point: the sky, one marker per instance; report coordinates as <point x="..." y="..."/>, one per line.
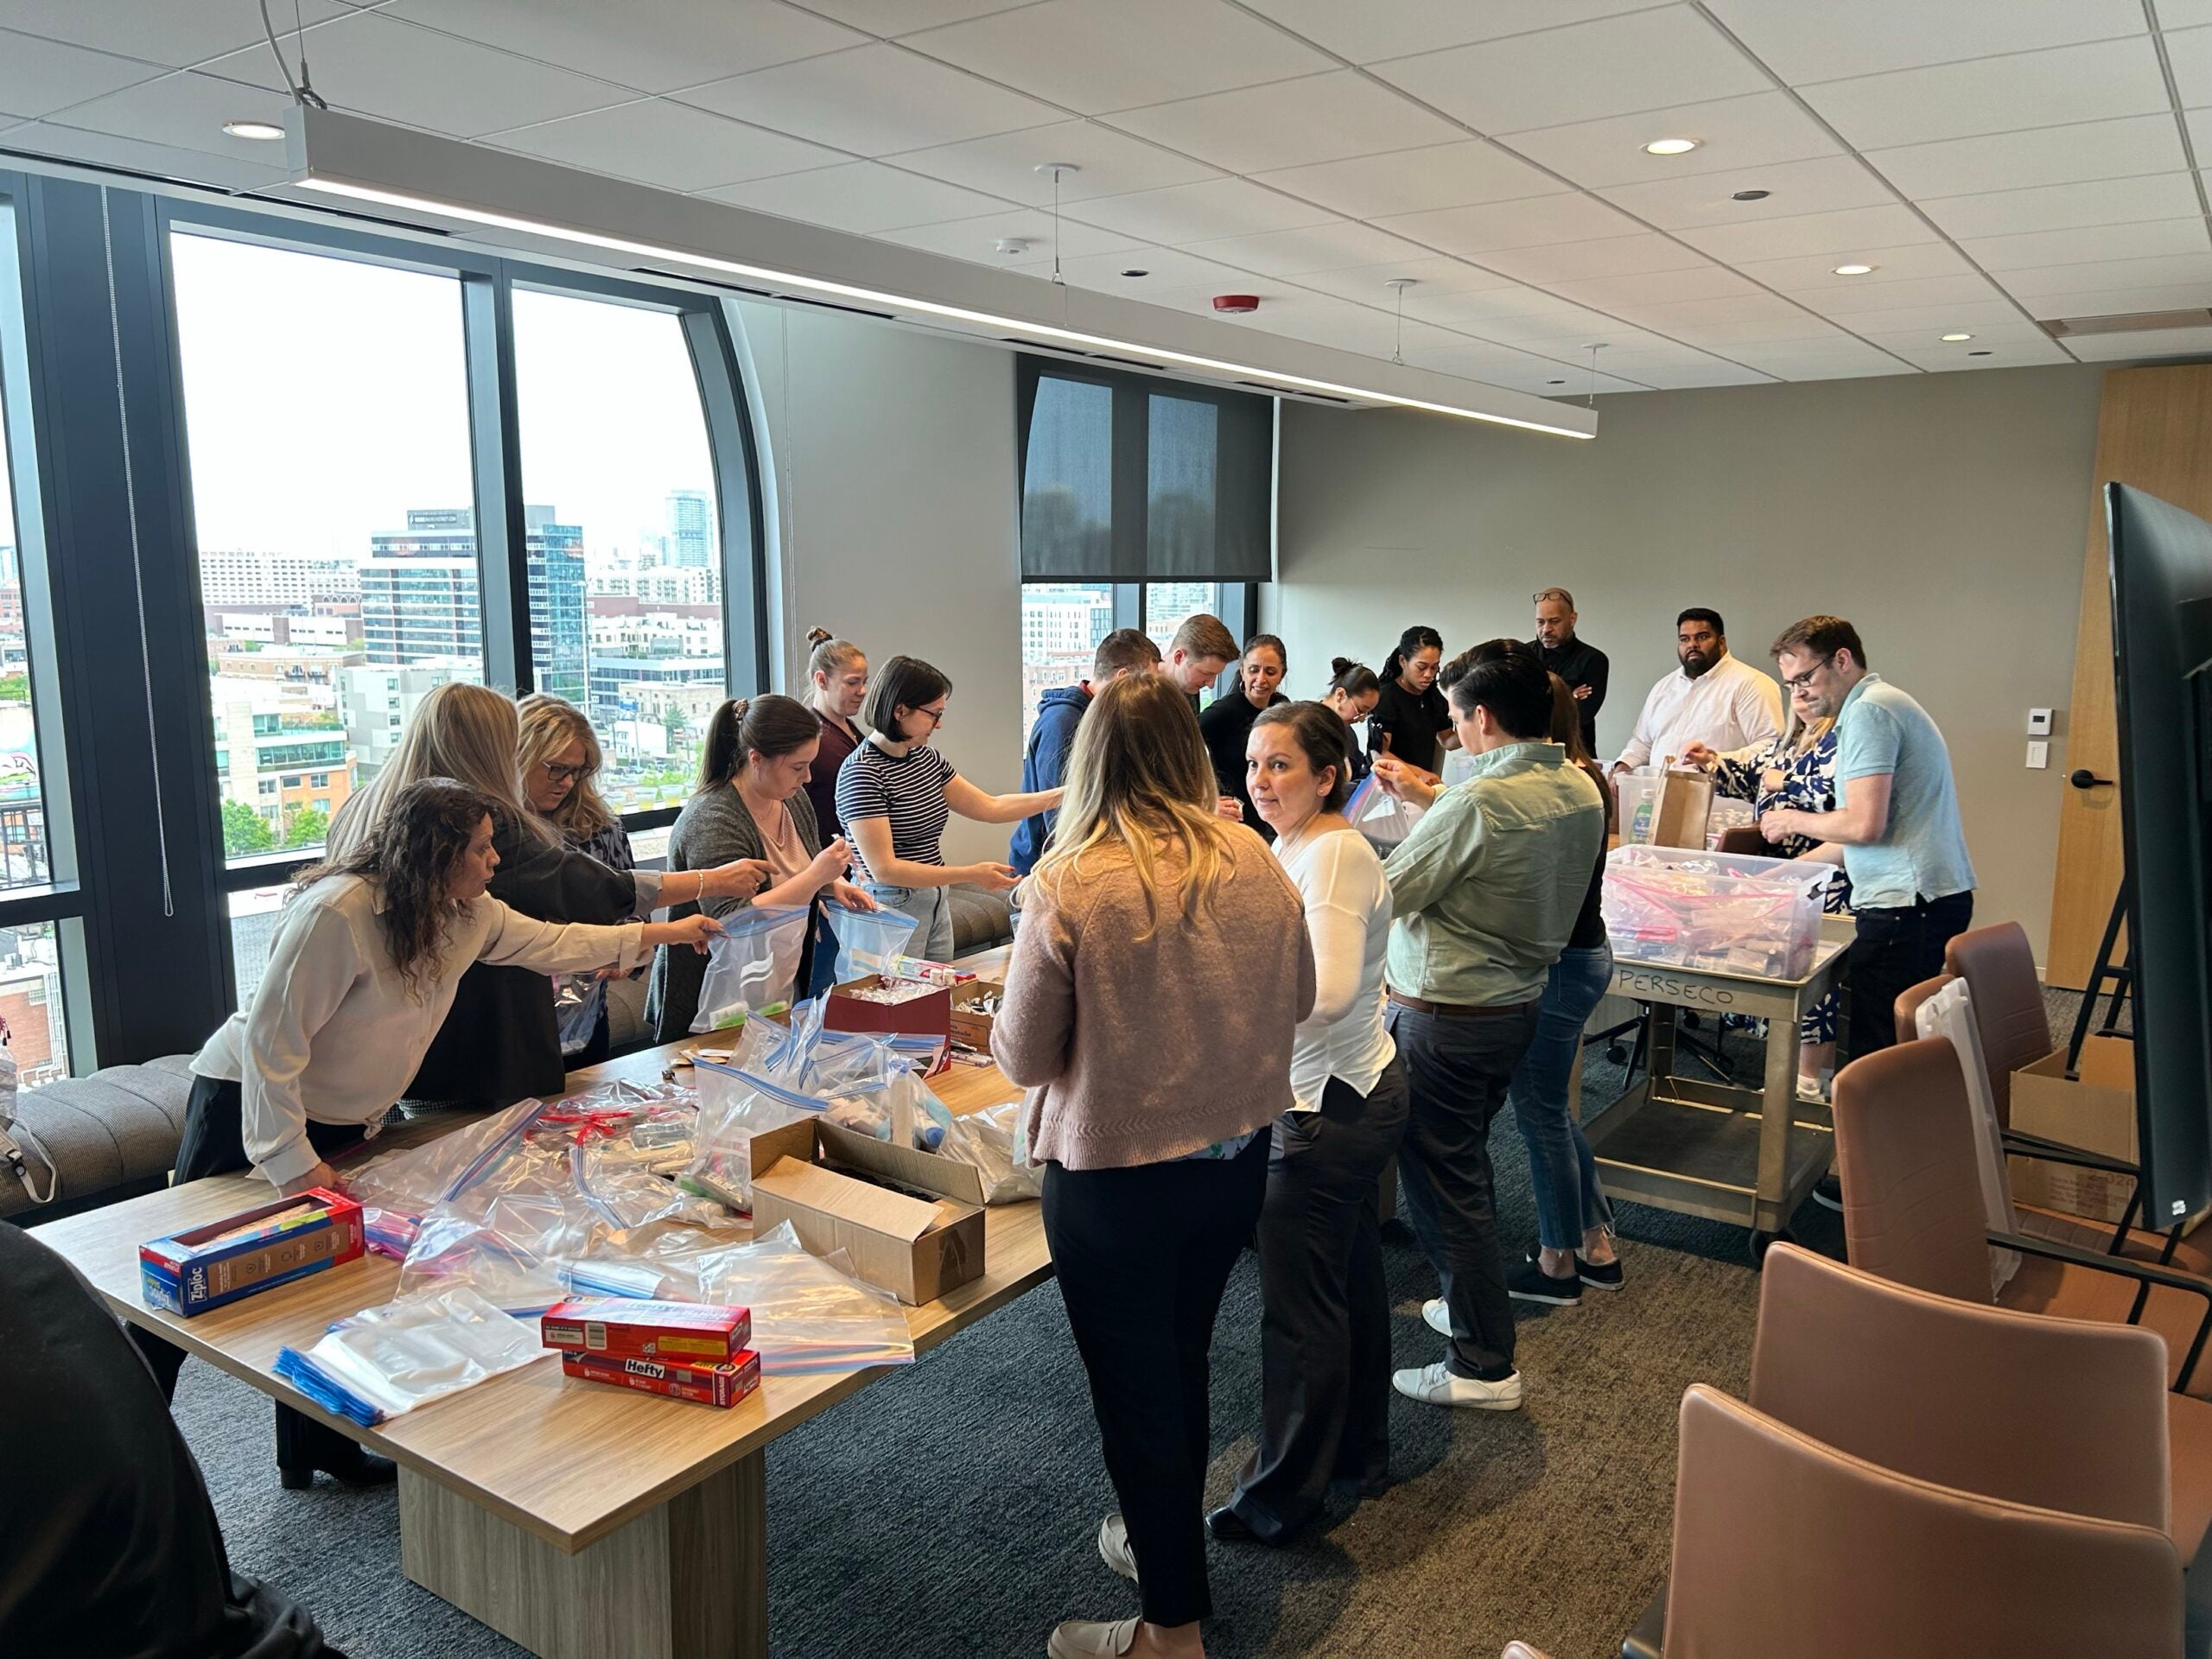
<point x="325" y="397"/>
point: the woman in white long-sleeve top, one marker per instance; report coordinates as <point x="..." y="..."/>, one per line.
<point x="1325" y="1339"/>
<point x="360" y="976"/>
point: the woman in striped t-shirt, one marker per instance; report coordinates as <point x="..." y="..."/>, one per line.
<point x="896" y="793"/>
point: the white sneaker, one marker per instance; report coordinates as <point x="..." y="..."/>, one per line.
<point x="1080" y="1639"/>
<point x="1114" y="1547"/>
<point x="1436" y="1385"/>
<point x="1438" y="1313"/>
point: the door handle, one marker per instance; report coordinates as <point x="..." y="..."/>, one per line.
<point x="2082" y="778"/>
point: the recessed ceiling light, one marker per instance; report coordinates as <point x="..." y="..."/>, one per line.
<point x="1671" y="146"/>
<point x="1852" y="271"/>
<point x="1977" y="353"/>
<point x="1134" y="271"/>
<point x="1953" y="339"/>
<point x="1555" y="383"/>
<point x="263" y="132"/>
<point x="1750" y="195"/>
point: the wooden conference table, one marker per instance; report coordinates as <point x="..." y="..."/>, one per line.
<point x="581" y="1521"/>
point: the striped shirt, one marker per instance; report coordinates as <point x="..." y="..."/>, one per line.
<point x="908" y="788"/>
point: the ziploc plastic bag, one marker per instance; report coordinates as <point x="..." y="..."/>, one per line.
<point x="734" y="1107"/>
<point x="808" y="1313"/>
<point x="868" y="940"/>
<point x="385" y="1361"/>
<point x="1385" y="819"/>
<point x="411" y="1180"/>
<point x="751" y="964"/>
<point x="579" y="1001"/>
<point x="992" y="1140"/>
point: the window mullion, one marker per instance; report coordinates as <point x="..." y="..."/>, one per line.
<point x="502" y="553"/>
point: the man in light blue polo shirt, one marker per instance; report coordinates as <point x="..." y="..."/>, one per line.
<point x="1896" y="823"/>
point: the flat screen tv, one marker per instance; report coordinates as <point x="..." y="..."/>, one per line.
<point x="2162" y="662"/>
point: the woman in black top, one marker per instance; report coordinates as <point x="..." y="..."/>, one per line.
<point x="1574" y="1223"/>
<point x="1411" y="719"/>
<point x="1353" y="693"/>
<point x="1227" y="722"/>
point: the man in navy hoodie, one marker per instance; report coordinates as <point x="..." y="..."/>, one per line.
<point x="1059" y="711"/>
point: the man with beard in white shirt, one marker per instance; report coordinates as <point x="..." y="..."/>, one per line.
<point x="1713" y="698"/>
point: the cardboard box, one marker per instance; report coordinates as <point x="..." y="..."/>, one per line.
<point x="2095" y="1113"/>
<point x="907" y="1166"/>
<point x="915" y="1249"/>
<point x="258" y="1250"/>
<point x="969" y="1025"/>
<point x="614" y="1327"/>
<point x="721" y="1385"/>
<point x="927" y="1015"/>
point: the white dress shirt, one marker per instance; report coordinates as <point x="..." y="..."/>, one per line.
<point x="1348" y="917"/>
<point x="1731" y="706"/>
<point x="336" y="1034"/>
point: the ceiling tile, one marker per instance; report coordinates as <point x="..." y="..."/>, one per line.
<point x="1614" y="256"/>
<point x="188" y="110"/>
<point x="1097" y="56"/>
<point x="1005" y="164"/>
<point x="1735" y="132"/>
<point x="1522" y="224"/>
<point x="1954" y="359"/>
<point x="38" y="77"/>
<point x="1336" y="246"/>
<point x="1474" y="311"/>
<point x="1290" y="122"/>
<point x="1852" y="366"/>
<point x="653" y="45"/>
<point x="1835" y="39"/>
<point x="175" y="35"/>
<point x="874" y="101"/>
<point x="2200" y="133"/>
<point x="972" y="239"/>
<point x="895" y="17"/>
<point x="1655" y="288"/>
<point x="2184" y="14"/>
<point x="1200" y="213"/>
<point x="1394" y="29"/>
<point x="2067" y="207"/>
<point x="1850" y="300"/>
<point x="380" y="66"/>
<point x="1997" y="313"/>
<point x="2042" y="156"/>
<point x="2120" y="301"/>
<point x="1817" y="271"/>
<point x="2158" y="343"/>
<point x="1165" y="269"/>
<point x="1713" y="371"/>
<point x="1431" y="278"/>
<point x="671" y="145"/>
<point x="1415" y="181"/>
<point x="1617" y="342"/>
<point x="1825" y="184"/>
<point x="2171" y="270"/>
<point x="1644" y="60"/>
<point x="1957" y="100"/>
<point x="1732" y="339"/>
<point x="105" y="150"/>
<point x="1739" y="316"/>
<point x="2190" y="52"/>
<point x="1849" y="233"/>
<point x="862" y="196"/>
<point x="2150" y="240"/>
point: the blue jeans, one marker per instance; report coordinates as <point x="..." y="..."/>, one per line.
<point x="1569" y="1200"/>
<point x="931" y="907"/>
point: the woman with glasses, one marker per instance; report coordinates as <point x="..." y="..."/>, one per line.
<point x="1410" y="719"/>
<point x="896" y="794"/>
<point x="1353" y="693"/>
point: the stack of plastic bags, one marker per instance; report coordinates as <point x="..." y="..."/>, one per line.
<point x="385" y="1361"/>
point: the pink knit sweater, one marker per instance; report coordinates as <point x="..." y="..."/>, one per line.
<point x="1136" y="1050"/>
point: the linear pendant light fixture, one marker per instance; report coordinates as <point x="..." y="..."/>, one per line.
<point x="635" y="226"/>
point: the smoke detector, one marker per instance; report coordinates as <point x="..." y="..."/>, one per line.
<point x="1011" y="245"/>
<point x="1239" y="303"/>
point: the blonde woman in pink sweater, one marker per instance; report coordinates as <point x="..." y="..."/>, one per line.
<point x="1162" y="970"/>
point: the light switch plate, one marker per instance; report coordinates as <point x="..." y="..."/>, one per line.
<point x="2039" y="754"/>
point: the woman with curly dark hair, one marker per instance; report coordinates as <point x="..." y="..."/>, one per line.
<point x="360" y="976"/>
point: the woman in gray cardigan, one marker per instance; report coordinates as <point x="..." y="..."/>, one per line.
<point x="751" y="794"/>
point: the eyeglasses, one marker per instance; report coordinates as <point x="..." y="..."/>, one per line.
<point x="1804" y="681"/>
<point x="935" y="716"/>
<point x="560" y="774"/>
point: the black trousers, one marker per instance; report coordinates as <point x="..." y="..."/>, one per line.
<point x="1325" y="1336"/>
<point x="1456" y="1069"/>
<point x="1142" y="1257"/>
<point x="214" y="1144"/>
<point x="1895" y="950"/>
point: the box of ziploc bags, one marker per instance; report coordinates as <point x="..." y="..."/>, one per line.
<point x="243" y="1255"/>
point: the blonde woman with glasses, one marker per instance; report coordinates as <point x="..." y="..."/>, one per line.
<point x="557" y="767"/>
<point x="500" y="1041"/>
<point x="1162" y="970"/>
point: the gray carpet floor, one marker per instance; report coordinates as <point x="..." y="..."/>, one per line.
<point x="950" y="1510"/>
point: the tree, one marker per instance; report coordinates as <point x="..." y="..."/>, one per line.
<point x="245" y="830"/>
<point x="15" y="687"/>
<point x="309" y="827"/>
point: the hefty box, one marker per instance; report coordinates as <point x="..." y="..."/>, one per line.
<point x="617" y="1328"/>
<point x="259" y="1249"/>
<point x="709" y="1385"/>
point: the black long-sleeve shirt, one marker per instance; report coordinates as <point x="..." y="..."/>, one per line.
<point x="1581" y="664"/>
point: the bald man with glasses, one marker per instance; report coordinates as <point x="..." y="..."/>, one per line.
<point x="1581" y="664"/>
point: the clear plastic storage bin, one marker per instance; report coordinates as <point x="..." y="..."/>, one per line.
<point x="1726" y="913"/>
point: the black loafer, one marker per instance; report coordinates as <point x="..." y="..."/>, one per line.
<point x="1228" y="1527"/>
<point x="362" y="1469"/>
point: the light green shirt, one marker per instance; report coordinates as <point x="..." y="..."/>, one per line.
<point x="1485" y="889"/>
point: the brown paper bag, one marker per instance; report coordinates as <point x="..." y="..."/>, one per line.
<point x="1679" y="816"/>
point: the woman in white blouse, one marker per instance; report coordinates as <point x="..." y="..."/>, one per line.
<point x="1326" y="1337"/>
<point x="360" y="976"/>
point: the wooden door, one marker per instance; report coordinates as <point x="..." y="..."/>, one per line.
<point x="2154" y="431"/>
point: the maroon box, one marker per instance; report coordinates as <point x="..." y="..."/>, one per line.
<point x="709" y="1385"/>
<point x="616" y="1327"/>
